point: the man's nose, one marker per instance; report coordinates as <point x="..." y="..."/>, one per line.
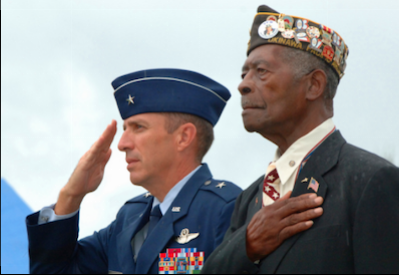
<point x="125" y="142"/>
<point x="246" y="85"/>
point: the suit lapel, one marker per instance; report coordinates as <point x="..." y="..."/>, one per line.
<point x="164" y="231"/>
<point x="323" y="159"/>
<point x="125" y="252"/>
<point x="256" y="202"/>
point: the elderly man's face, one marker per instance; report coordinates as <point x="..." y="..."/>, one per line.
<point x="149" y="148"/>
<point x="271" y="99"/>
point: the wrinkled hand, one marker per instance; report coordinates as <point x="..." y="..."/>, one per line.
<point x="279" y="221"/>
<point x="88" y="174"/>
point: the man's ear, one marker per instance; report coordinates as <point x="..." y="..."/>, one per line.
<point x="186" y="134"/>
<point x="317" y="84"/>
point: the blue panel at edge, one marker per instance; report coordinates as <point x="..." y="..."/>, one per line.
<point x="14" y="240"/>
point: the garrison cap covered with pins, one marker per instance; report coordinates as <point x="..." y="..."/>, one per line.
<point x="170" y="90"/>
<point x="272" y="27"/>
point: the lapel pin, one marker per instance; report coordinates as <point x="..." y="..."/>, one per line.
<point x="313" y="184"/>
<point x="186" y="236"/>
<point x="304" y="180"/>
<point x="176" y="209"/>
<point x="221" y="185"/>
<point x="256" y="201"/>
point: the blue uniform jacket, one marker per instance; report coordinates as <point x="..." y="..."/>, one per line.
<point x="204" y="208"/>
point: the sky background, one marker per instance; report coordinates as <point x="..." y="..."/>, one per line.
<point x="60" y="57"/>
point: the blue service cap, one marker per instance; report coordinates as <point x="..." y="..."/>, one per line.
<point x="170" y="90"/>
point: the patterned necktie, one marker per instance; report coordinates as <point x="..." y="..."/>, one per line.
<point x="271" y="185"/>
<point x="155" y="216"/>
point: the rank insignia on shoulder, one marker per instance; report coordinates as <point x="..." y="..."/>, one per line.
<point x="186" y="236"/>
<point x="147" y="195"/>
<point x="314" y="185"/>
<point x="181" y="261"/>
<point x="220" y="185"/>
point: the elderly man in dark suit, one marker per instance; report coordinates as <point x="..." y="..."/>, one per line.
<point x="323" y="206"/>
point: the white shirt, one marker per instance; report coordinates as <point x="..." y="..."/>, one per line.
<point x="288" y="164"/>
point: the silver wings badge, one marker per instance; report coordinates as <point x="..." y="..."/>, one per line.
<point x="186" y="237"/>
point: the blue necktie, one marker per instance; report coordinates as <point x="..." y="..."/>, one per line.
<point x="155" y="216"/>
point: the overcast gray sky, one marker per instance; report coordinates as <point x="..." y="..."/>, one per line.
<point x="60" y="57"/>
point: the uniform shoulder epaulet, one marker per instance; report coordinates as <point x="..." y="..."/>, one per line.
<point x="226" y="190"/>
<point x="143" y="198"/>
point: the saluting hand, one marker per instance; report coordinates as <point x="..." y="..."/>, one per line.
<point x="279" y="221"/>
<point x="88" y="174"/>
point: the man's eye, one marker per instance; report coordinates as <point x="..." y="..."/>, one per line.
<point x="262" y="71"/>
<point x="243" y="75"/>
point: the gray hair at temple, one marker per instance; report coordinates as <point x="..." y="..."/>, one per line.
<point x="303" y="63"/>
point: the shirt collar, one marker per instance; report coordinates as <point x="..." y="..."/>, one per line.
<point x="288" y="163"/>
<point x="172" y="194"/>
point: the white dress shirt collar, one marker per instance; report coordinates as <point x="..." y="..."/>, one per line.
<point x="172" y="194"/>
<point x="289" y="162"/>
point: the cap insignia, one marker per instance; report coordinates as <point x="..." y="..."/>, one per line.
<point x="130" y="100"/>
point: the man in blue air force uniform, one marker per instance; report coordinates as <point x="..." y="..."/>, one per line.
<point x="168" y="117"/>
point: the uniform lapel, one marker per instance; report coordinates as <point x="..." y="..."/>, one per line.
<point x="323" y="159"/>
<point x="125" y="253"/>
<point x="164" y="231"/>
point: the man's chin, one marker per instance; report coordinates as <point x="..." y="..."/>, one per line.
<point x="136" y="180"/>
<point x="250" y="127"/>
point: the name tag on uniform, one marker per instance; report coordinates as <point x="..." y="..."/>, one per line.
<point x="181" y="261"/>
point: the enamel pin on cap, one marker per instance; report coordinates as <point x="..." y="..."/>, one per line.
<point x="268" y="29"/>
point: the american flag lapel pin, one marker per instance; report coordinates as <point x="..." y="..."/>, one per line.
<point x="313" y="184"/>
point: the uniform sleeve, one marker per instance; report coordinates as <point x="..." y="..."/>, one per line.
<point x="231" y="255"/>
<point x="375" y="231"/>
<point x="53" y="247"/>
<point x="47" y="214"/>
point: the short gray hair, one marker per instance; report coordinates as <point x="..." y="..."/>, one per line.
<point x="303" y="63"/>
<point x="205" y="134"/>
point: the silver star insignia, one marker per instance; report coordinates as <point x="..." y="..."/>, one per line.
<point x="130" y="100"/>
<point x="147" y="195"/>
<point x="220" y="185"/>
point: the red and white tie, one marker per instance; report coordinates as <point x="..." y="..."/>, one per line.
<point x="271" y="185"/>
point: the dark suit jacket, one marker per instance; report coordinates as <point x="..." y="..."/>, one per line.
<point x="357" y="233"/>
<point x="204" y="209"/>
